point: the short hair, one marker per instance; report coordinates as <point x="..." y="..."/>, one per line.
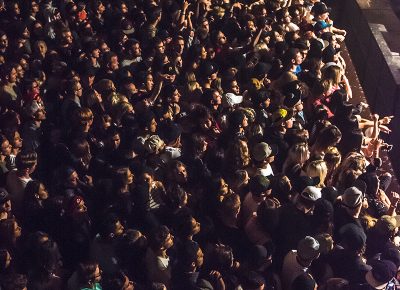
<point x="86" y="271"/>
<point x="26" y="159"/>
<point x="158" y="237"/>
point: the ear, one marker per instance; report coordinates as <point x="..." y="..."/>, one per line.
<point x="37" y="196"/>
<point x="111" y="235"/>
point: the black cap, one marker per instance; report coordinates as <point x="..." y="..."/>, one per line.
<point x="320" y="8"/>
<point x="4" y="196"/>
<point x="208" y="68"/>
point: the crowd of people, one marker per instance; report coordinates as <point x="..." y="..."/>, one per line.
<point x="187" y="144"/>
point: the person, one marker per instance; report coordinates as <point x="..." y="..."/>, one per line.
<point x="157" y="261"/>
<point x="296" y="262"/>
<point x="213" y="118"/>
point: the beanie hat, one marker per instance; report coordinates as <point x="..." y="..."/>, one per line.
<point x="308" y="248"/>
<point x="352" y="197"/>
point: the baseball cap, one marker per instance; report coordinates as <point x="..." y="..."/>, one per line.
<point x="381" y="273"/>
<point x="4" y="195"/>
<point x="308" y="248"/>
<point x="153" y="144"/>
<point x="353" y="236"/>
<point x="301" y="182"/>
<point x="231" y="99"/>
<point x="311" y="193"/>
<point x="281" y="115"/>
<point x="259" y="184"/>
<point x="320" y="8"/>
<point x="127" y="27"/>
<point x="208" y="68"/>
<point x="263" y="150"/>
<point x="352" y="197"/>
<point x="387" y="224"/>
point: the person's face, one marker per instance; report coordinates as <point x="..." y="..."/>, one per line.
<point x="79" y="90"/>
<point x="26" y="34"/>
<point x="20" y="72"/>
<point x="101" y="8"/>
<point x="104" y="47"/>
<point x="114" y="65"/>
<point x="217" y="98"/>
<point x="16" y="10"/>
<point x="115" y="141"/>
<point x="96" y="53"/>
<point x="324" y="16"/>
<point x="137" y="51"/>
<point x="124" y="8"/>
<point x="3" y="41"/>
<point x="298" y="59"/>
<point x="299" y="107"/>
<point x="221" y="38"/>
<point x="181" y="174"/>
<point x="235" y="88"/>
<point x="67" y="37"/>
<point x="180" y="45"/>
<point x="119" y="229"/>
<point x="97" y="275"/>
<point x="160" y="47"/>
<point x="43" y="194"/>
<point x="131" y="177"/>
<point x="205" y="26"/>
<point x="149" y="82"/>
<point x="35" y="7"/>
<point x="12" y="78"/>
<point x="224" y="187"/>
<point x="289" y="123"/>
<point x="153" y="126"/>
<point x="147" y="178"/>
<point x="178" y="62"/>
<point x="251" y="26"/>
<point x="266" y="103"/>
<point x="195" y="226"/>
<point x="203" y="53"/>
<point x="6" y="207"/>
<point x="176" y="97"/>
<point x="17" y="230"/>
<point x="169" y="241"/>
<point x="245" y="122"/>
<point x="73" y="179"/>
<point x="6" y="148"/>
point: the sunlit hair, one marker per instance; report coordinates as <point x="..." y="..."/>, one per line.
<point x="317" y="168"/>
<point x="297" y="154"/>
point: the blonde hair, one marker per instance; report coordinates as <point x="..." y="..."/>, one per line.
<point x="297" y="154"/>
<point x="318" y="168"/>
<point x="332" y="158"/>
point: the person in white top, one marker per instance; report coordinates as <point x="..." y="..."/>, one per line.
<point x="17" y="179"/>
<point x="296" y="262"/>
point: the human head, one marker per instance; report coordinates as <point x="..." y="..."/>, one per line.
<point x="161" y="239"/>
<point x="89" y="273"/>
<point x="317" y="168"/>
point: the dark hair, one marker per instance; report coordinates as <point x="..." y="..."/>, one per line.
<point x="86" y="271"/>
<point x="158" y="237"/>
<point x="31" y="190"/>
